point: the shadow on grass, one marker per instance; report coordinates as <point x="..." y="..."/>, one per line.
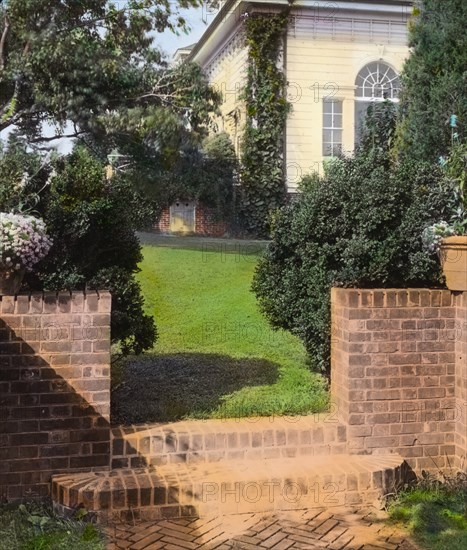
<point x="164" y="388"/>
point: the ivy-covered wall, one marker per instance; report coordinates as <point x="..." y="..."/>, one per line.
<point x="263" y="187"/>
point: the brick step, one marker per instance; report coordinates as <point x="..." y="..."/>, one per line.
<point x="140" y="446"/>
<point x="212" y="489"/>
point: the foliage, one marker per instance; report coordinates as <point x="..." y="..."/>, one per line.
<point x="92" y="222"/>
<point x="434" y="234"/>
<point x="205" y="174"/>
<point x="434" y="80"/>
<point x="94" y="73"/>
<point x="216" y="356"/>
<point x="379" y="127"/>
<point x="435" y="512"/>
<point x="23" y="241"/>
<point x="455" y="167"/>
<point x="360" y="225"/>
<point x="84" y="64"/>
<point x="35" y="527"/>
<point x="455" y="181"/>
<point x="262" y="172"/>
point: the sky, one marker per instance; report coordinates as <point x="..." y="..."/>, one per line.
<point x="198" y="19"/>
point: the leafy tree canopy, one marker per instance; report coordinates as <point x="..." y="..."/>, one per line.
<point x="92" y="66"/>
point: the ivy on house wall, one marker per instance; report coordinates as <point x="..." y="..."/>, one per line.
<point x="262" y="152"/>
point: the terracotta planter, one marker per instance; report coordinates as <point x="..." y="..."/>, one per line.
<point x="454" y="262"/>
<point x="11" y="284"/>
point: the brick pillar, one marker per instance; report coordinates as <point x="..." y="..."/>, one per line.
<point x="54" y="388"/>
<point x="461" y="383"/>
<point x="393" y="372"/>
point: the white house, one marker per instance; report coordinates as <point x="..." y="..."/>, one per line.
<point x="337" y="56"/>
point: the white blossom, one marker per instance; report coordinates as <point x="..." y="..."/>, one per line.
<point x="23" y="241"/>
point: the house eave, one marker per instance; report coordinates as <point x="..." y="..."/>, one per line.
<point x="228" y="17"/>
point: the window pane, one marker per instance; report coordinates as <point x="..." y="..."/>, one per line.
<point x="327" y="150"/>
<point x="337" y="121"/>
<point x="327" y="135"/>
<point x="338" y="107"/>
<point x="327" y="107"/>
<point x="332" y="124"/>
<point x="377" y="80"/>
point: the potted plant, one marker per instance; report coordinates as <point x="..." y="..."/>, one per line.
<point x="449" y="238"/>
<point x="23" y="243"/>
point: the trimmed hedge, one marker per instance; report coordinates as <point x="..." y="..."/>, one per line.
<point x="360" y="225"/>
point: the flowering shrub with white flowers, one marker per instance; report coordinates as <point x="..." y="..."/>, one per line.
<point x="434" y="235"/>
<point x="23" y="242"/>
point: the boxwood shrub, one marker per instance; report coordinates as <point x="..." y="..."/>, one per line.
<point x="360" y="225"/>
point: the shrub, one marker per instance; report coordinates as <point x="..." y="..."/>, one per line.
<point x="360" y="225"/>
<point x="92" y="222"/>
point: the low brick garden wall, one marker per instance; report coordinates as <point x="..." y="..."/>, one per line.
<point x="398" y="385"/>
<point x="399" y="373"/>
<point x="54" y="389"/>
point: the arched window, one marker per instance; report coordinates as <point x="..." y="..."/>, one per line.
<point x="376" y="82"/>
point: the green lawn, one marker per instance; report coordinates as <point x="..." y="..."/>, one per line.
<point x="216" y="356"/>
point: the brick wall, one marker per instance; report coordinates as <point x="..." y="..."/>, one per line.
<point x="54" y="388"/>
<point x="206" y="222"/>
<point x="399" y="372"/>
<point x="163" y="224"/>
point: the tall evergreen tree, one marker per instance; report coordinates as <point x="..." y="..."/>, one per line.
<point x="434" y="79"/>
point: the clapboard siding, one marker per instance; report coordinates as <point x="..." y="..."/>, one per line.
<point x="319" y="67"/>
<point x="327" y="45"/>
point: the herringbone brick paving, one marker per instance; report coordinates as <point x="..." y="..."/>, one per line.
<point x="305" y="530"/>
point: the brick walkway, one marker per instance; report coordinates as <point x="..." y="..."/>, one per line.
<point x="304" y="530"/>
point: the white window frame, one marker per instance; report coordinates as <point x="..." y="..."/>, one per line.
<point x="332" y="129"/>
<point x="378" y="79"/>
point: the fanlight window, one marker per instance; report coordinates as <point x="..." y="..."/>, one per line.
<point x="378" y="82"/>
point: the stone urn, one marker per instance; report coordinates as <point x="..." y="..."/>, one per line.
<point x="10" y="282"/>
<point x="453" y="255"/>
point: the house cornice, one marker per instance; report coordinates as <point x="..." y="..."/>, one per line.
<point x="228" y="17"/>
